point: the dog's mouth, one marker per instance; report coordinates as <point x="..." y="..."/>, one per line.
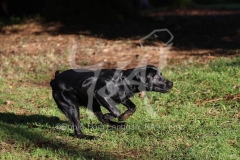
<point x="160" y="90"/>
<point x="164" y="91"/>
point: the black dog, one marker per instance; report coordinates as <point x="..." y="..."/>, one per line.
<point x="107" y="88"/>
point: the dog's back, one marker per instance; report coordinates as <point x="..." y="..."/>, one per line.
<point x="70" y="77"/>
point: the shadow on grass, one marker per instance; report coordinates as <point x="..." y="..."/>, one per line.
<point x="19" y="129"/>
<point x="235" y="63"/>
<point x="12" y="118"/>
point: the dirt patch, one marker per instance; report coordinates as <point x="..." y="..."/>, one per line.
<point x="199" y="35"/>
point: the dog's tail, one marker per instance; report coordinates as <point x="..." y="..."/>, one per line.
<point x="56" y="74"/>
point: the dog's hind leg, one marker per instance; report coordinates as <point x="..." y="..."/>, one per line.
<point x="67" y="102"/>
<point x="131" y="108"/>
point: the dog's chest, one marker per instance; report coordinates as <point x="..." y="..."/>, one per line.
<point x="124" y="92"/>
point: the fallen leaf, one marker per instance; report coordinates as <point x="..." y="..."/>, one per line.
<point x="8" y="102"/>
<point x="206" y="92"/>
<point x="235" y="86"/>
<point x="229" y="97"/>
<point x="142" y="94"/>
<point x="187" y="145"/>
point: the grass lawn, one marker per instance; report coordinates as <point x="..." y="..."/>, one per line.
<point x="198" y="119"/>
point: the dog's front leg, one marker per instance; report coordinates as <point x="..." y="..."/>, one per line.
<point x="109" y="104"/>
<point x="131" y="108"/>
<point x="106" y="119"/>
<point x="100" y="116"/>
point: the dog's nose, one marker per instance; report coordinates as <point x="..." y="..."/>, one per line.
<point x="170" y="84"/>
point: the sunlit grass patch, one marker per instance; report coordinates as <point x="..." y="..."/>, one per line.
<point x="197" y="119"/>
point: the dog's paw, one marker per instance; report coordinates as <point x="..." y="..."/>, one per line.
<point x="108" y="116"/>
<point x="124" y="116"/>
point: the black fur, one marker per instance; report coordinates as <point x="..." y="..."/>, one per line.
<point x="107" y="88"/>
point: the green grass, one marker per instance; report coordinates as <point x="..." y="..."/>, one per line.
<point x="198" y="119"/>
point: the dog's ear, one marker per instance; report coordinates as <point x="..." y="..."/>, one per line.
<point x="145" y="73"/>
<point x="151" y="71"/>
<point x="140" y="74"/>
<point x="117" y="77"/>
<point x="87" y="82"/>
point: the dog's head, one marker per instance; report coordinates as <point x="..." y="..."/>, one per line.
<point x="148" y="78"/>
<point x="155" y="80"/>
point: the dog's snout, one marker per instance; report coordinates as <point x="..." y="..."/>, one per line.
<point x="170" y="84"/>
